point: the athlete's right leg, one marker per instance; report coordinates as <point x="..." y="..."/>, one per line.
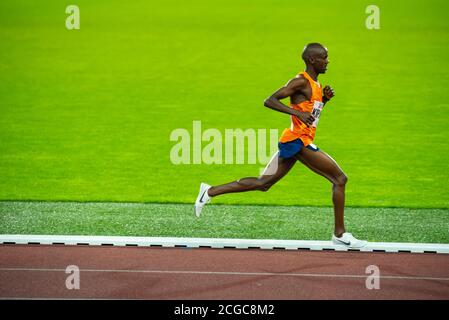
<point x="324" y="165"/>
<point x="262" y="183"/>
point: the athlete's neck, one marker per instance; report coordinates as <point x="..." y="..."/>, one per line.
<point x="312" y="73"/>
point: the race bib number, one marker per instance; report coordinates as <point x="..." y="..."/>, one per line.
<point x="317" y="107"/>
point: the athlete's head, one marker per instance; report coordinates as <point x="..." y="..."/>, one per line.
<point x="315" y="56"/>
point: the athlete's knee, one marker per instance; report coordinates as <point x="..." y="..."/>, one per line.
<point x="266" y="187"/>
<point x="341" y="180"/>
<point x="263" y="185"/>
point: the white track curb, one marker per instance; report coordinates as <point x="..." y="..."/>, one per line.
<point x="220" y="243"/>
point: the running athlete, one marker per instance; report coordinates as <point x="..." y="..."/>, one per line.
<point x="307" y="99"/>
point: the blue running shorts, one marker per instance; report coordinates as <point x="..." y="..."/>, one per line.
<point x="289" y="149"/>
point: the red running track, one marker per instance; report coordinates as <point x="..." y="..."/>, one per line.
<point x="38" y="271"/>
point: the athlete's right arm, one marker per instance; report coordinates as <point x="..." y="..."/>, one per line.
<point x="294" y="85"/>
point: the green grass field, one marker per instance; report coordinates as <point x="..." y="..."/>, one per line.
<point x="222" y="221"/>
<point x="86" y="115"/>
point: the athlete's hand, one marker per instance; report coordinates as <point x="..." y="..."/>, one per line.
<point x="328" y="92"/>
<point x="305" y="117"/>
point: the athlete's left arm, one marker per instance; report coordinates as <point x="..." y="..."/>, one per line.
<point x="328" y="93"/>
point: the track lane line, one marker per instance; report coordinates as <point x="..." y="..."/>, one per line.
<point x="228" y="273"/>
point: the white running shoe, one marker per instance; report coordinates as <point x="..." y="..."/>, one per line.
<point x="202" y="198"/>
<point x="348" y="240"/>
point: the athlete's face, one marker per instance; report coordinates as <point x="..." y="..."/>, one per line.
<point x="320" y="61"/>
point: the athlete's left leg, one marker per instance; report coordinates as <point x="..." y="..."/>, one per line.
<point x="275" y="170"/>
<point x="323" y="164"/>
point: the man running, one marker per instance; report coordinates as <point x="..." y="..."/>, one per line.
<point x="307" y="99"/>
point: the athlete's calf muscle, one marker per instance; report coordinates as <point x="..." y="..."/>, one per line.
<point x="262" y="183"/>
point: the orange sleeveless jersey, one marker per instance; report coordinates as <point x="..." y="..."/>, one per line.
<point x="298" y="129"/>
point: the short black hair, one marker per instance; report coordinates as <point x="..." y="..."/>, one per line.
<point x="310" y="49"/>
